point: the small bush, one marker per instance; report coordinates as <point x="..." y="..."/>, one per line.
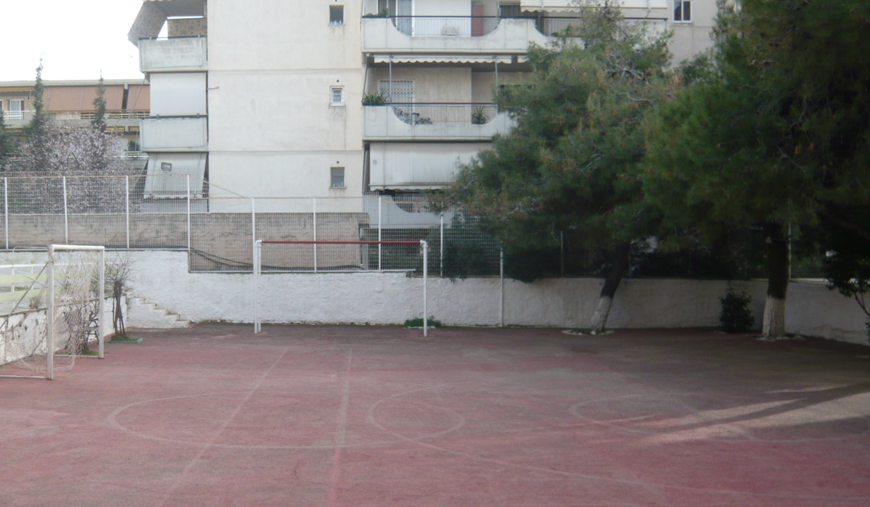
<point x="418" y="322"/>
<point x="736" y="317"/>
<point x="374" y="99"/>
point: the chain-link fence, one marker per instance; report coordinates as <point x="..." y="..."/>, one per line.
<point x="219" y="228"/>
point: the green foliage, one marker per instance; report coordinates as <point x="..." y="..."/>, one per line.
<point x="571" y="164"/>
<point x="418" y="323"/>
<point x="777" y="133"/>
<point x="374" y="99"/>
<point x="736" y="317"/>
<point x="479" y="116"/>
<point x="99" y="121"/>
<point x="35" y="130"/>
<point x="468" y="250"/>
<point x="383" y="13"/>
<point x="7" y="145"/>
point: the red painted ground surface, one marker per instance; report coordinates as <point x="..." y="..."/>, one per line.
<point x="368" y="416"/>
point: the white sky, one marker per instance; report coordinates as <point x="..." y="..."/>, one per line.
<point x="76" y="39"/>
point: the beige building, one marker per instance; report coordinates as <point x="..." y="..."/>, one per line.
<point x="72" y="103"/>
<point x="330" y="98"/>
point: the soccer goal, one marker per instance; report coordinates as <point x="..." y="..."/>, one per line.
<point x="54" y="312"/>
<point x="291" y="250"/>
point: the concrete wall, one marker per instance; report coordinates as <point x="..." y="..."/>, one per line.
<point x="391" y="298"/>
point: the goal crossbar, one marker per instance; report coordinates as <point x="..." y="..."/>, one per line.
<point x="258" y="248"/>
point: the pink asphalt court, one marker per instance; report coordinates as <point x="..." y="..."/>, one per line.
<point x="381" y="416"/>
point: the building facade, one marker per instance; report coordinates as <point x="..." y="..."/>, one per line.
<point x="72" y="103"/>
<point x="330" y="98"/>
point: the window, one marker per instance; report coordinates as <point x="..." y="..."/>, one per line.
<point x="399" y="92"/>
<point x="336" y="177"/>
<point x="336" y="14"/>
<point x="683" y="11"/>
<point x="336" y="96"/>
<point x="16" y="110"/>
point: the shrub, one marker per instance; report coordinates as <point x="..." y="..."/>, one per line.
<point x="736" y="317"/>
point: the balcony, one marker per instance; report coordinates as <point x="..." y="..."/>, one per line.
<point x="175" y="134"/>
<point x="433" y="122"/>
<point x="451" y="34"/>
<point x="181" y="54"/>
<point x="418" y="166"/>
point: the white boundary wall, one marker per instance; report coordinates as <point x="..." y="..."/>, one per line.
<point x="162" y="277"/>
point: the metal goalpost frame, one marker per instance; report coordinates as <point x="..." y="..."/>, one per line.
<point x="49" y="316"/>
<point x="258" y="259"/>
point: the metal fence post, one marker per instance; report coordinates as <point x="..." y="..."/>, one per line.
<point x="127" y="206"/>
<point x="49" y="319"/>
<point x="65" y="213"/>
<point x="425" y="248"/>
<point x="441" y="261"/>
<point x="562" y="251"/>
<point x="253" y="233"/>
<point x="379" y="233"/>
<point x="6" y="210"/>
<point x="501" y="287"/>
<point x="314" y="215"/>
<point x="101" y="306"/>
<point x="188" y="214"/>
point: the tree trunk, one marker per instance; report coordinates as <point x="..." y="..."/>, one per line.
<point x="611" y="283"/>
<point x="773" y="324"/>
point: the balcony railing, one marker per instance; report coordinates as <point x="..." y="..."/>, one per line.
<point x="13" y="115"/>
<point x="431" y="113"/>
<point x="445" y="26"/>
<point x="553" y="26"/>
<point x="434" y="122"/>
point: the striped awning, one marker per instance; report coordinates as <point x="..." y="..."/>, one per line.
<point x="442" y="58"/>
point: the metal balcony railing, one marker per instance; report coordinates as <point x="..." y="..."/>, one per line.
<point x="419" y="113"/>
<point x="562" y="25"/>
<point x="13" y="115"/>
<point x="445" y="26"/>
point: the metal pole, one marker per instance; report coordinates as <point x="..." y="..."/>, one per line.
<point x="127" y="208"/>
<point x="65" y="215"/>
<point x="49" y="319"/>
<point x="253" y="232"/>
<point x="441" y="261"/>
<point x="188" y="214"/>
<point x="496" y="73"/>
<point x="314" y="214"/>
<point x="258" y="247"/>
<point x="562" y="251"/>
<point x="501" y="288"/>
<point x="379" y="233"/>
<point x="425" y="248"/>
<point x="6" y="210"/>
<point x="102" y="306"/>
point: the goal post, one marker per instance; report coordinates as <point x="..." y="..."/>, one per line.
<point x="70" y="286"/>
<point x="258" y="268"/>
<point x="54" y="318"/>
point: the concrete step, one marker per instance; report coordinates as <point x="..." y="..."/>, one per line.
<point x="144" y="314"/>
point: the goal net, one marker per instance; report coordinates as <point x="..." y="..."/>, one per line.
<point x="334" y="256"/>
<point x="55" y="313"/>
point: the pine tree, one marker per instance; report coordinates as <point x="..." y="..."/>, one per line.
<point x="571" y="164"/>
<point x="99" y="121"/>
<point x="38" y="122"/>
<point x="776" y="137"/>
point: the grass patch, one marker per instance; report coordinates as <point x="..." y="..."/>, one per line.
<point x="125" y="339"/>
<point x="418" y="323"/>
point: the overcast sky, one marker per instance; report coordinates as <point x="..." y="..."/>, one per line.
<point x="76" y="39"/>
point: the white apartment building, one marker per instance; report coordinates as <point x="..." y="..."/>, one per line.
<point x="266" y="98"/>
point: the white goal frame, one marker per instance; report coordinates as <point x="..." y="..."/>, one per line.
<point x="258" y="257"/>
<point x="50" y="331"/>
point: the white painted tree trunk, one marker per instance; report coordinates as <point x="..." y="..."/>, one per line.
<point x="773" y="324"/>
<point x="599" y="319"/>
